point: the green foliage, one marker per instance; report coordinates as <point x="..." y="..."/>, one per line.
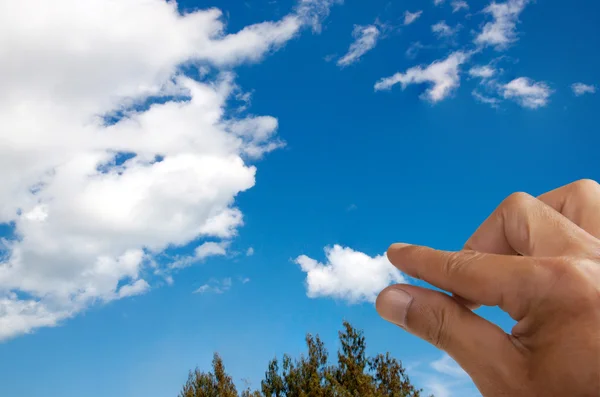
<point x="212" y="384"/>
<point x="312" y="375"/>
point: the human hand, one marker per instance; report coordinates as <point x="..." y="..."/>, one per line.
<point x="538" y="259"/>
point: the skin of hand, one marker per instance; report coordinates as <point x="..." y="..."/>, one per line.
<point x="538" y="259"/>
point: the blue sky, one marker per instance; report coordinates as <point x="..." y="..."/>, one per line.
<point x="121" y="273"/>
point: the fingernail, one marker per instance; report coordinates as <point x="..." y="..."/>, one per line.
<point x="393" y="306"/>
<point x="399" y="245"/>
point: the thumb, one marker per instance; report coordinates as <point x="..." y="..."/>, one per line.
<point x="481" y="348"/>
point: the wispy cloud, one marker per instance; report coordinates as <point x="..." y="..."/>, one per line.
<point x="137" y="288"/>
<point x="581" y="89"/>
<point x="442" y="76"/>
<point x="443" y="30"/>
<point x="458" y="5"/>
<point x="201" y="252"/>
<point x="413" y="49"/>
<point x="446" y="365"/>
<point x="215" y="286"/>
<point x="501" y="31"/>
<point x="313" y="12"/>
<point x="527" y="93"/>
<point x="348" y="275"/>
<point x="365" y="39"/>
<point x="250" y="251"/>
<point x="488" y="100"/>
<point x="444" y="378"/>
<point x="483" y="72"/>
<point x="410" y="17"/>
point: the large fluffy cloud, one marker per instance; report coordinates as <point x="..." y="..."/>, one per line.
<point x="109" y="155"/>
<point x="348" y="274"/>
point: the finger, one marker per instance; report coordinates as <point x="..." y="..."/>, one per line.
<point x="481" y="348"/>
<point x="578" y="201"/>
<point x="488" y="279"/>
<point x="525" y="225"/>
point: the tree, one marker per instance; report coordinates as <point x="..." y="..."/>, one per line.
<point x="312" y="375"/>
<point x="350" y="375"/>
<point x="213" y="384"/>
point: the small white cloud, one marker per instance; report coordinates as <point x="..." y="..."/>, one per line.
<point x="438" y="2"/>
<point x="137" y="288"/>
<point x="443" y="76"/>
<point x="501" y="32"/>
<point x="447" y="366"/>
<point x="349" y="275"/>
<point x="365" y="40"/>
<point x="245" y="280"/>
<point x="443" y="30"/>
<point x="250" y="251"/>
<point x="581" y="89"/>
<point x="527" y="93"/>
<point x="483" y="72"/>
<point x="313" y="12"/>
<point x="410" y="17"/>
<point x="203" y="251"/>
<point x="215" y="286"/>
<point x="458" y="5"/>
<point x="210" y="248"/>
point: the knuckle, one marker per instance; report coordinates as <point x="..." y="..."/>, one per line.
<point x="555" y="267"/>
<point x="584" y="187"/>
<point x="451" y="263"/>
<point x="438" y="334"/>
<point x="516" y="200"/>
<point x="455" y="262"/>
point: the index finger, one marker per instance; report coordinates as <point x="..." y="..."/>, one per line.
<point x="488" y="279"/>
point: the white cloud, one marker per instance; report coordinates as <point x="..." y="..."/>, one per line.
<point x="458" y="5"/>
<point x="94" y="200"/>
<point x="201" y="252"/>
<point x="483" y="72"/>
<point x="443" y="76"/>
<point x="581" y="89"/>
<point x="348" y="274"/>
<point x="210" y="248"/>
<point x="215" y="286"/>
<point x="527" y="93"/>
<point x="137" y="288"/>
<point x="502" y="30"/>
<point x="410" y="17"/>
<point x="313" y="12"/>
<point x="443" y="30"/>
<point x="250" y="251"/>
<point x="444" y="377"/>
<point x="413" y="49"/>
<point x="365" y="39"/>
<point x="446" y="365"/>
<point x="488" y="100"/>
<point x="438" y="2"/>
<point x="438" y="389"/>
